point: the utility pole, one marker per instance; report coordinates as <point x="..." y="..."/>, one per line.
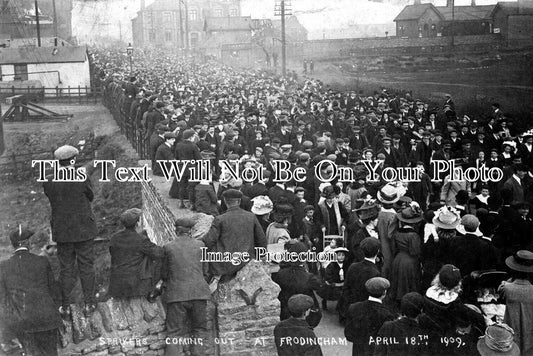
<point x="453" y="20"/>
<point x="283" y="9"/>
<point x="55" y="18"/>
<point x="38" y="25"/>
<point x="182" y="42"/>
<point x="186" y="26"/>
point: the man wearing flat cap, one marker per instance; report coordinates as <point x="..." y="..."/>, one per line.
<point x="296" y="327"/>
<point x="74" y="229"/>
<point x="226" y="235"/>
<point x="367" y="317"/>
<point x="133" y="259"/>
<point x="156" y="140"/>
<point x="164" y="153"/>
<point x="186" y="291"/>
<point x="27" y="291"/>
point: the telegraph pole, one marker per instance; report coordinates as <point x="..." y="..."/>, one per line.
<point x="452" y="24"/>
<point x="38" y="25"/>
<point x="283" y="9"/>
<point x="186" y="26"/>
<point x="55" y="19"/>
<point x="181" y="26"/>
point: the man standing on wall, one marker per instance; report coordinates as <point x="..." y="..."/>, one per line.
<point x="186" y="293"/>
<point x="74" y="230"/>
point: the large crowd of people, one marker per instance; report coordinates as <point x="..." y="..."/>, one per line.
<point x="433" y="266"/>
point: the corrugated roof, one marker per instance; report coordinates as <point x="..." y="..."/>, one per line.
<point x="414" y="12"/>
<point x="466" y="13"/>
<point x="228" y="23"/>
<point x="23" y="55"/>
<point x="221" y="38"/>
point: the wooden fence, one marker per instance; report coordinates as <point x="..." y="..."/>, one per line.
<point x="74" y="95"/>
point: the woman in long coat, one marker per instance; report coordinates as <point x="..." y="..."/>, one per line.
<point x="406" y="273"/>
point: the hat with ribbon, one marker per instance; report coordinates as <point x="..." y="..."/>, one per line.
<point x="498" y="340"/>
<point x="447" y="218"/>
<point x="521" y="261"/>
<point x="411" y="215"/>
<point x="389" y="194"/>
<point x="262" y="205"/>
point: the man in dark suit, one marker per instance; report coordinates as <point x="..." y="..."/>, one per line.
<point x="164" y="153"/>
<point x="186" y="293"/>
<point x="297" y="327"/>
<point x="359" y="272"/>
<point x="516" y="183"/>
<point x="133" y="259"/>
<point x="74" y="229"/>
<point x="293" y="278"/>
<point x="227" y="236"/>
<point x="259" y="188"/>
<point x="28" y="289"/>
<point x="367" y="317"/>
<point x="156" y="140"/>
<point x="153" y="118"/>
<point x="185" y="150"/>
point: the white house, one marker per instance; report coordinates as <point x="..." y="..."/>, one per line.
<point x="52" y="66"/>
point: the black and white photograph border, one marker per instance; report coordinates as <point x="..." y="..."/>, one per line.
<point x="279" y="177"/>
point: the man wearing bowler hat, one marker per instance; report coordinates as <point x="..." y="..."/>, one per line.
<point x="296" y="327"/>
<point x="164" y="153"/>
<point x="27" y="290"/>
<point x="74" y="230"/>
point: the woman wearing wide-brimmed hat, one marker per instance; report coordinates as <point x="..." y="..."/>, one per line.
<point x="368" y="213"/>
<point x="406" y="272"/>
<point x="262" y="207"/>
<point x="518" y="293"/>
<point x="439" y="250"/>
<point x="277" y="231"/>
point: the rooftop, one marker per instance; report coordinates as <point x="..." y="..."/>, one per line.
<point x="414" y="12"/>
<point x="467" y="13"/>
<point x="243" y="23"/>
<point x="25" y="55"/>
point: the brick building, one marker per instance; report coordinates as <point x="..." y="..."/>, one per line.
<point x="511" y="19"/>
<point x="178" y="23"/>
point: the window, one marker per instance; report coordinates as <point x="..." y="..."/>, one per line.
<point x="217" y="12"/>
<point x="167" y="17"/>
<point x="233" y="12"/>
<point x="193" y="15"/>
<point x="21" y="72"/>
<point x="401" y="30"/>
<point x="168" y="36"/>
<point x="149" y="18"/>
<point x="151" y="35"/>
<point x="194" y="39"/>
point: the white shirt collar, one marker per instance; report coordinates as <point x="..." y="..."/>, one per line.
<point x="377" y="300"/>
<point x="373" y="259"/>
<point x="22" y="248"/>
<point x="517" y="178"/>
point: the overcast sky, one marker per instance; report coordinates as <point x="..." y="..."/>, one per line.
<point x="114" y="16"/>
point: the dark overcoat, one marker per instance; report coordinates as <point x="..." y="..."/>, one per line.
<point x="72" y="217"/>
<point x="27" y="292"/>
<point x="295" y="328"/>
<point x="236" y="230"/>
<point x="132" y="256"/>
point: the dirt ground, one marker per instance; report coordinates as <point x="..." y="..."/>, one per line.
<point x="24" y="199"/>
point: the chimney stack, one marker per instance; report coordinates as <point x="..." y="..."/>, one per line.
<point x="142" y="5"/>
<point x="449" y="3"/>
<point x="417" y="2"/>
<point x="473" y="3"/>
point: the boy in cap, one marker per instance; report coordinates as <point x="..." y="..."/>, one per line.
<point x="367" y="317"/>
<point x="131" y="274"/>
<point x="404" y="327"/>
<point x="27" y="285"/>
<point x="297" y="327"/>
<point x="74" y="229"/>
<point x="185" y="150"/>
